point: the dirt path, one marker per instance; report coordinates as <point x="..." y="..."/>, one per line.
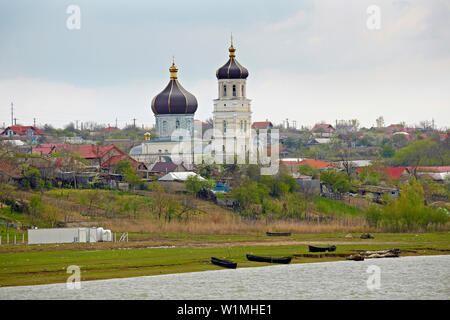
<point x="178" y="244"/>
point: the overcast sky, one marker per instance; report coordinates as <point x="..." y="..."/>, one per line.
<point x="309" y="61"/>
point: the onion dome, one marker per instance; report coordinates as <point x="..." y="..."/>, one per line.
<point x="232" y="69"/>
<point x="174" y="99"/>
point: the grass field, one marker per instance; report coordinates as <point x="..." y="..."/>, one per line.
<point x="184" y="252"/>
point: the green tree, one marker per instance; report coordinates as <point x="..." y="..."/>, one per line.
<point x="307" y="170"/>
<point x="337" y="181"/>
<point x="123" y="167"/>
<point x="277" y="187"/>
<point x="31" y="177"/>
<point x="194" y="184"/>
<point x="425" y="152"/>
<point x="36" y="207"/>
<point x="387" y="151"/>
<point x="408" y="212"/>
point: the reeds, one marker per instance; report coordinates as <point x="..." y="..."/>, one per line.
<point x="219" y="223"/>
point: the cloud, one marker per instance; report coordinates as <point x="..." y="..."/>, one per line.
<point x="318" y="62"/>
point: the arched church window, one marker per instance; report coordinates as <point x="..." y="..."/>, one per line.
<point x="245" y="126"/>
<point x="242" y="91"/>
<point x="164" y="128"/>
<point x="177" y="124"/>
<point x="234" y="90"/>
<point x="224" y="90"/>
<point x="224" y="126"/>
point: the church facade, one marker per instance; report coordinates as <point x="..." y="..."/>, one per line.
<point x="232" y="115"/>
<point x="174" y="108"/>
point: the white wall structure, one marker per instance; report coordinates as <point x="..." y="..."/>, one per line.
<point x="232" y="111"/>
<point x="68" y="235"/>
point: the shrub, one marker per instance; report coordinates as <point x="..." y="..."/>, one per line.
<point x="408" y="212"/>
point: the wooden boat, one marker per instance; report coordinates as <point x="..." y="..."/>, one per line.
<point x="278" y="234"/>
<point x="322" y="249"/>
<point x="223" y="263"/>
<point x="285" y="260"/>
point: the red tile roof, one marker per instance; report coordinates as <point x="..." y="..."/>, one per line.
<point x="43" y="150"/>
<point x="22" y="130"/>
<point x="89" y="152"/>
<point x="393" y="172"/>
<point x="112" y="162"/>
<point x="325" y="126"/>
<point x="319" y="164"/>
<point x="262" y="125"/>
<point x="110" y="129"/>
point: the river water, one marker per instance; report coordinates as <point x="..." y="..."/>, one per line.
<point x="425" y="277"/>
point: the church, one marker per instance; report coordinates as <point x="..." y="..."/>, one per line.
<point x="174" y="110"/>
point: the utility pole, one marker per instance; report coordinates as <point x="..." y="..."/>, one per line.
<point x="34" y="122"/>
<point x="15" y="121"/>
<point x="12" y="114"/>
<point x="134" y="122"/>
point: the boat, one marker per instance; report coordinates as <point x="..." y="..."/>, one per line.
<point x="223" y="263"/>
<point x="285" y="260"/>
<point x="322" y="249"/>
<point x="278" y="234"/>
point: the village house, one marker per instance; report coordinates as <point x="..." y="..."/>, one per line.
<point x="105" y="157"/>
<point x="21" y="132"/>
<point x="291" y="164"/>
<point x="258" y="125"/>
<point x="163" y="168"/>
<point x="323" y="130"/>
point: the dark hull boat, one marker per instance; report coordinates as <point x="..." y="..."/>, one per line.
<point x="285" y="260"/>
<point x="322" y="249"/>
<point x="223" y="263"/>
<point x="278" y="234"/>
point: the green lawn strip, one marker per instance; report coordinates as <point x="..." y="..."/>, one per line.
<point x="36" y="267"/>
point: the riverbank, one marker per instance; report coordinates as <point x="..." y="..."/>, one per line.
<point x="154" y="254"/>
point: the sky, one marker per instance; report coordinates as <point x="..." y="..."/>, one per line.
<point x="309" y="61"/>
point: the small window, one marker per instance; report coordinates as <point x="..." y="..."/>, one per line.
<point x="224" y="90"/>
<point x="164" y="128"/>
<point x="177" y="124"/>
<point x="242" y="91"/>
<point x="234" y="90"/>
<point x="224" y="126"/>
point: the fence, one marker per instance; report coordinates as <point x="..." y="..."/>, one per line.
<point x="16" y="240"/>
<point x="10" y="239"/>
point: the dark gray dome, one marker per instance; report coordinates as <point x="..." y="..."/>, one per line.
<point x="232" y="69"/>
<point x="174" y="99"/>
